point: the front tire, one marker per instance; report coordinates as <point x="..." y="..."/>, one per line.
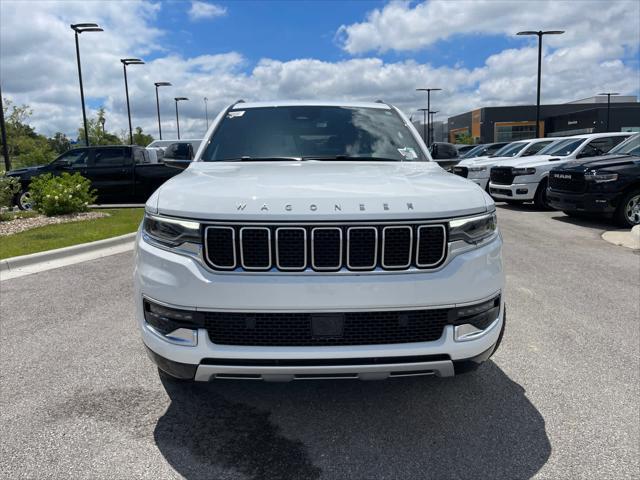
<point x="628" y="212"/>
<point x="23" y="200"/>
<point x="540" y="200"/>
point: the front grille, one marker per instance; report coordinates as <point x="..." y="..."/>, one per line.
<point x="567" y="182"/>
<point x="355" y="247"/>
<point x="462" y="171"/>
<point x="297" y="329"/>
<point x="502" y="175"/>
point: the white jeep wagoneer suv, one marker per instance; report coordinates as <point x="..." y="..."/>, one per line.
<point x="314" y="240"/>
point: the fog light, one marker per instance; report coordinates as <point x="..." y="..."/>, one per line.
<point x="171" y="324"/>
<point x="522" y="191"/>
<point x="471" y="320"/>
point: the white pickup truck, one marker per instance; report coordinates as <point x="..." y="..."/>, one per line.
<point x="526" y="179"/>
<point x="314" y="240"/>
<point x="477" y="169"/>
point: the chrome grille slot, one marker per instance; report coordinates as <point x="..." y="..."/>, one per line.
<point x="431" y="245"/>
<point x="396" y="246"/>
<point x="291" y="248"/>
<point x="255" y="248"/>
<point x="326" y="248"/>
<point x="362" y="248"/>
<point x="220" y="245"/>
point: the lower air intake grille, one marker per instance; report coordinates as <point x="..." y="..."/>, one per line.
<point x="306" y="329"/>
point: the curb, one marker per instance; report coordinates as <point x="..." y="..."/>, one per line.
<point x="23" y="261"/>
<point x="624" y="238"/>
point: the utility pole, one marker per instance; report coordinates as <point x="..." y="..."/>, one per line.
<point x="428" y="90"/>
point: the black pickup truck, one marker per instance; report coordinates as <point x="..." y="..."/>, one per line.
<point x="120" y="174"/>
<point x="608" y="185"/>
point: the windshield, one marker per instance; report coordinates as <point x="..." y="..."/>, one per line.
<point x="161" y="143"/>
<point x="314" y="132"/>
<point x="474" y="152"/>
<point x="564" y="148"/>
<point x="510" y="150"/>
<point x="630" y="146"/>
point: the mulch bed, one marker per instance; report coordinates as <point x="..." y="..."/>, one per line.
<point x="22" y="224"/>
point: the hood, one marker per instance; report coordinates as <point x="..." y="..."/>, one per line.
<point x="484" y="161"/>
<point x="534" y="161"/>
<point x="604" y="161"/>
<point x="22" y="171"/>
<point x="318" y="191"/>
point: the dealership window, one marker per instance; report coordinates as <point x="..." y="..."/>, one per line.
<point x="508" y="133"/>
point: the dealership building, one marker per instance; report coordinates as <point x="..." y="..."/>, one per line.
<point x="589" y="115"/>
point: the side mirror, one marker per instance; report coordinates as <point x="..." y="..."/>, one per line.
<point x="178" y="155"/>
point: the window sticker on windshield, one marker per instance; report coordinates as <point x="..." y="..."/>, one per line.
<point x="408" y="153"/>
<point x="237" y="113"/>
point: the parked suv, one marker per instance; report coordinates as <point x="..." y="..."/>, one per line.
<point x="608" y="185"/>
<point x="314" y="240"/>
<point x="525" y="179"/>
<point x="477" y="169"/>
<point x="119" y="173"/>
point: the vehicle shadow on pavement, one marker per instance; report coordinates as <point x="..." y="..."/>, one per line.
<point x="475" y="426"/>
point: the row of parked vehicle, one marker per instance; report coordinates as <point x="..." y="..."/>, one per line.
<point x="592" y="174"/>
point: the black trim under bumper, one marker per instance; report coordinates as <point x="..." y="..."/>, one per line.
<point x="583" y="202"/>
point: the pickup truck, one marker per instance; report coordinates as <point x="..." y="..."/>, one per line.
<point x="316" y="240"/>
<point x="120" y="174"/>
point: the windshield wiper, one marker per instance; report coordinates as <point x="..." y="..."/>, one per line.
<point x="349" y="157"/>
<point x="247" y="158"/>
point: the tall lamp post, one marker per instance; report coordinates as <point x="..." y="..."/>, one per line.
<point x="206" y="111"/>
<point x="608" y="94"/>
<point x="3" y="133"/>
<point x="431" y="124"/>
<point x="178" y="99"/>
<point x="125" y="63"/>
<point x="539" y="34"/>
<point x="160" y="84"/>
<point x="428" y="90"/>
<point x="424" y="124"/>
<point x="79" y="28"/>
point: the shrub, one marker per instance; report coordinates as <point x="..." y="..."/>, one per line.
<point x="9" y="186"/>
<point x="60" y="195"/>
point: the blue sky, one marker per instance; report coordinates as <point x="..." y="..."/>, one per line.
<point x="269" y="50"/>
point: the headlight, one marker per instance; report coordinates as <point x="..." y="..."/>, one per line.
<point x="477" y="169"/>
<point x="523" y="171"/>
<point x="473" y="229"/>
<point x="601" y="177"/>
<point x="171" y="231"/>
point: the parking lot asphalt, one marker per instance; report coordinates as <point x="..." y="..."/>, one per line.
<point x="80" y="399"/>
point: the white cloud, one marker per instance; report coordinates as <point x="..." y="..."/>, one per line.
<point x="39" y="68"/>
<point x="402" y="26"/>
<point x="201" y="10"/>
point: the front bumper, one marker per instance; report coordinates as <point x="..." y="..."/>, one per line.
<point x="516" y="191"/>
<point x="583" y="202"/>
<point x="180" y="281"/>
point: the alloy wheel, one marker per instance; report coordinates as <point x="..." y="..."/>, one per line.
<point x="632" y="210"/>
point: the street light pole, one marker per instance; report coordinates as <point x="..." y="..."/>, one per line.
<point x="206" y="111"/>
<point x="608" y="94"/>
<point x="78" y="28"/>
<point x="431" y="114"/>
<point x="428" y="90"/>
<point x="3" y="132"/>
<point x="125" y="62"/>
<point x="178" y="99"/>
<point x="424" y="124"/>
<point x="539" y="34"/>
<point x="160" y="84"/>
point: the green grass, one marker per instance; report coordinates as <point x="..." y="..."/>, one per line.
<point x="120" y="222"/>
<point x="7" y="216"/>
